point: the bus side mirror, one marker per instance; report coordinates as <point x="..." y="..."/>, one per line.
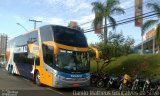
<point x="96" y="51"/>
<point x="56" y="50"/>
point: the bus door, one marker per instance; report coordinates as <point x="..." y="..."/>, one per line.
<point x="49" y="63"/>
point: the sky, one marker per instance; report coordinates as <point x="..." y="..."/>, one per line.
<point x="60" y="12"/>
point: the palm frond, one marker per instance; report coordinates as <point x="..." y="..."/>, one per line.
<point x="158" y="33"/>
<point x="148" y="24"/>
<point x="97" y="7"/>
<point x="117" y="10"/>
<point x="154" y="7"/>
<point x="112" y="21"/>
<point x="97" y="20"/>
<point x="111" y="4"/>
<point x="94" y="23"/>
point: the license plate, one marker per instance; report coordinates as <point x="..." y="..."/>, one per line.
<point x="75" y="84"/>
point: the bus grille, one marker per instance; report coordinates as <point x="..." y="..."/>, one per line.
<point x="76" y="79"/>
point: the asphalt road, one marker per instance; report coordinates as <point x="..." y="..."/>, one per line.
<point x="13" y="85"/>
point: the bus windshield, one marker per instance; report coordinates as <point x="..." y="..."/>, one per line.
<point x="70" y="37"/>
<point x="73" y="61"/>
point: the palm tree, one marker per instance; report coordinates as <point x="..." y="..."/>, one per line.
<point x="155" y="7"/>
<point x="104" y="11"/>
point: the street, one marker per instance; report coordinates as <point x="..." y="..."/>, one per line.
<point x="90" y="47"/>
<point x="18" y="86"/>
<point x="13" y="85"/>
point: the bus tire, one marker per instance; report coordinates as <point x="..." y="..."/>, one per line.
<point x="8" y="68"/>
<point x="34" y="77"/>
<point x="11" y="69"/>
<point x="37" y="78"/>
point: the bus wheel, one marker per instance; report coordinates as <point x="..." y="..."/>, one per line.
<point x="11" y="69"/>
<point x="8" y="68"/>
<point x="37" y="78"/>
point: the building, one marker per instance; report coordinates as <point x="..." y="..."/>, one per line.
<point x="3" y="46"/>
<point x="149" y="43"/>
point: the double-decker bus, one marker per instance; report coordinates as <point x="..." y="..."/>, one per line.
<point x="53" y="55"/>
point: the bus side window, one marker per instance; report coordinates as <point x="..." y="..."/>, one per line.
<point x="37" y="61"/>
<point x="48" y="55"/>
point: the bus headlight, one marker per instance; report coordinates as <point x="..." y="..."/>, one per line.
<point x="60" y="77"/>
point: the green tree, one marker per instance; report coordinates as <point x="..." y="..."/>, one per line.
<point x="117" y="46"/>
<point x="104" y="12"/>
<point x="155" y="7"/>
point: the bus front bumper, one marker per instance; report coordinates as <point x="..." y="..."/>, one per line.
<point x="72" y="82"/>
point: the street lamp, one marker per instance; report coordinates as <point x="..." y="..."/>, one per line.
<point x="22" y="27"/>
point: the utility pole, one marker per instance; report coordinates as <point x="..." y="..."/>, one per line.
<point x="142" y="45"/>
<point x="35" y="21"/>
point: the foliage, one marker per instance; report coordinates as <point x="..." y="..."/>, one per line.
<point x="117" y="46"/>
<point x="104" y="11"/>
<point x="158" y="33"/>
<point x="155" y="7"/>
<point x="145" y="66"/>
